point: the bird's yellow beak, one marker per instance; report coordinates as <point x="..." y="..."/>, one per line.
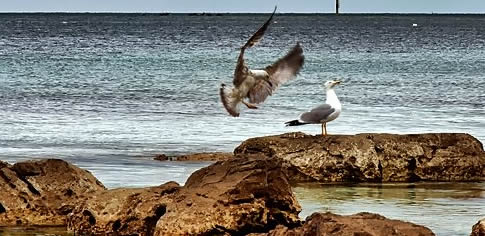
<point x="337" y="82"/>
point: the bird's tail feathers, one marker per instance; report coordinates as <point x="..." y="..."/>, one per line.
<point x="230" y="102"/>
<point x="294" y="123"/>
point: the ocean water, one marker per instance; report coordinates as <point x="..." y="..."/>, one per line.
<point x="108" y="91"/>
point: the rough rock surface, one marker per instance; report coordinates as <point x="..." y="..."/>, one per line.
<point x="240" y="195"/>
<point x="42" y="192"/>
<point x="204" y="156"/>
<point x="373" y="157"/>
<point x="479" y="228"/>
<point x="358" y="224"/>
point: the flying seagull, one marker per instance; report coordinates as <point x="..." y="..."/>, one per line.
<point x="323" y="113"/>
<point x="257" y="85"/>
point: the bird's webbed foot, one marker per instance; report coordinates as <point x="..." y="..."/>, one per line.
<point x="250" y="105"/>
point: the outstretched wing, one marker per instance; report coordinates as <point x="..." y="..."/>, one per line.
<point x="286" y="68"/>
<point x="241" y="68"/>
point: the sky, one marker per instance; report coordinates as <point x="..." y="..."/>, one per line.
<point x="259" y="6"/>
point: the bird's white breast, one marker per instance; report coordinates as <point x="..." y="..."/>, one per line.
<point x="259" y="73"/>
<point x="333" y="101"/>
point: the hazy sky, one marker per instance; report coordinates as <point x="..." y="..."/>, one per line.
<point x="350" y="6"/>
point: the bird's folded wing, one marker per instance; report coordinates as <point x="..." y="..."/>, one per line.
<point x="286" y="68"/>
<point x="241" y="68"/>
<point x="318" y="114"/>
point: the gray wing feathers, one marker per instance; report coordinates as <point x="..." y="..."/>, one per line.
<point x="260" y="92"/>
<point x="316" y="115"/>
<point x="322" y="107"/>
<point x="286" y="68"/>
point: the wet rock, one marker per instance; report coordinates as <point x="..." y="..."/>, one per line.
<point x="373" y="157"/>
<point x="358" y="224"/>
<point x="479" y="228"/>
<point x="205" y="156"/>
<point x="161" y="157"/>
<point x="240" y="195"/>
<point x="124" y="211"/>
<point x="42" y="192"/>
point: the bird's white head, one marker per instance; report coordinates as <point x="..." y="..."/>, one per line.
<point x="331" y="83"/>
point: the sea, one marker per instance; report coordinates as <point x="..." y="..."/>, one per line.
<point x="109" y="91"/>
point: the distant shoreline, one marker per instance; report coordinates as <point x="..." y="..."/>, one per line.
<point x="241" y="13"/>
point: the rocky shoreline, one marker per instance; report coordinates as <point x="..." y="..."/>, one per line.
<point x="248" y="193"/>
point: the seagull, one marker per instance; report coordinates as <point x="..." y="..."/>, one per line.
<point x="257" y="85"/>
<point x="324" y="113"/>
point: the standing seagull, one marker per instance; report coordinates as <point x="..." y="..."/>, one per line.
<point x="323" y="113"/>
<point x="257" y="85"/>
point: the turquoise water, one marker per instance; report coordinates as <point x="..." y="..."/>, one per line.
<point x="108" y="91"/>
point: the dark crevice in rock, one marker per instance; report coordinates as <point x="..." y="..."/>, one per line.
<point x="91" y="219"/>
<point x="7" y="179"/>
<point x="433" y="150"/>
<point x="29" y="186"/>
<point x="151" y="222"/>
<point x="116" y="225"/>
<point x="378" y="149"/>
<point x="379" y="166"/>
<point x="2" y="209"/>
<point x="411" y="168"/>
<point x="69" y="193"/>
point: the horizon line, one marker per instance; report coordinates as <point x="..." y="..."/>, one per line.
<point x="204" y="12"/>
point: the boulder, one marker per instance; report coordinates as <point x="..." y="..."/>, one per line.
<point x="42" y="192"/>
<point x="358" y="224"/>
<point x="124" y="211"/>
<point x="479" y="228"/>
<point x="240" y="195"/>
<point x="373" y="157"/>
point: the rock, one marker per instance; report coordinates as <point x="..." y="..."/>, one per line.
<point x="358" y="224"/>
<point x="479" y="228"/>
<point x="42" y="192"/>
<point x="241" y="195"/>
<point x="161" y="157"/>
<point x="205" y="156"/>
<point x="3" y="164"/>
<point x="373" y="157"/>
<point x="124" y="211"/>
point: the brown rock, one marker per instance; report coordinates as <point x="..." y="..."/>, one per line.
<point x="3" y="164"/>
<point x="358" y="224"/>
<point x="204" y="156"/>
<point x="479" y="228"/>
<point x="373" y="157"/>
<point x="161" y="157"/>
<point x="42" y="192"/>
<point x="240" y="195"/>
<point x="124" y="211"/>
